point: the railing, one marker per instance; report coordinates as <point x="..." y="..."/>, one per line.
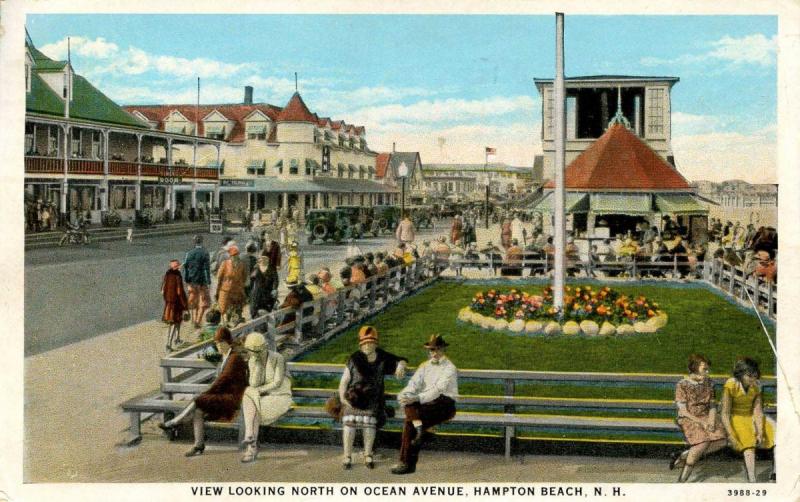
<point x="733" y="281"/>
<point x="149" y="169"/>
<point x="44" y="164"/>
<point x="84" y="166"/>
<point x="123" y="168"/>
<point x="320" y="319"/>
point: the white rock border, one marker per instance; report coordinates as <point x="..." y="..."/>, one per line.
<point x="568" y="328"/>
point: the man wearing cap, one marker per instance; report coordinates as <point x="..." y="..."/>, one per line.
<point x="196" y="273"/>
<point x="361" y="391"/>
<point x="230" y="285"/>
<point x="429" y="399"/>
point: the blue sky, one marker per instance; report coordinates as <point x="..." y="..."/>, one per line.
<point x="468" y="79"/>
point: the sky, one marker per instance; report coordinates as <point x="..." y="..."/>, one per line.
<point x="446" y="86"/>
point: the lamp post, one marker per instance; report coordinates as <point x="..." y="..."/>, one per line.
<point x="402" y="172"/>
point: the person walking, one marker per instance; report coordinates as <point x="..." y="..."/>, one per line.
<point x="697" y="417"/>
<point x="505" y="233"/>
<point x="268" y="395"/>
<point x="196" y="273"/>
<point x="429" y="399"/>
<point x="264" y="287"/>
<point x="174" y="302"/>
<point x="456" y="230"/>
<point x="223" y="398"/>
<point x="743" y="416"/>
<point x="294" y="264"/>
<point x="361" y="391"/>
<point x="230" y="286"/>
<point x="405" y="230"/>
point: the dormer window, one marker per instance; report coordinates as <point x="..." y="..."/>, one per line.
<point x="256" y="130"/>
<point x="351" y="142"/>
<point x="176" y="127"/>
<point x="215" y="130"/>
<point x="341" y="141"/>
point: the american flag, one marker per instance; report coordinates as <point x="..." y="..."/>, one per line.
<point x="491" y="151"/>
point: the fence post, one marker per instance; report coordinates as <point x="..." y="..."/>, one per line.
<point x="373" y="285"/>
<point x="675" y="265"/>
<point x="321" y="314"/>
<point x="732" y="284"/>
<point x="271" y="335"/>
<point x="509" y="392"/>
<point x="166" y="377"/>
<point x="340" y="306"/>
<point x="770" y="297"/>
<point x="298" y="324"/>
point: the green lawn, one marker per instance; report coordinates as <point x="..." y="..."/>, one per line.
<point x="699" y="321"/>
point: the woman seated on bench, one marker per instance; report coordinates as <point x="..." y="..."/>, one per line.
<point x="269" y="395"/>
<point x="222" y="400"/>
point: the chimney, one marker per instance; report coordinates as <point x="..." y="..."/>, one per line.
<point x="248" y="94"/>
<point x="393" y="146"/>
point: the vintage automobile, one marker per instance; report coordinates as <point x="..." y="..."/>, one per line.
<point x="332" y="225"/>
<point x="362" y="220"/>
<point x="421" y="216"/>
<point x="386" y="217"/>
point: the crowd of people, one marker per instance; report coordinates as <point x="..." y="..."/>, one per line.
<point x="41" y="216"/>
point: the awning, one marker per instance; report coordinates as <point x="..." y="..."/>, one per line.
<point x="311" y="163"/>
<point x="215" y="128"/>
<point x="176" y="127"/>
<point x="679" y="204"/>
<point x="351" y="167"/>
<point x="319" y="185"/>
<point x="256" y="164"/>
<point x="256" y="128"/>
<point x="278" y="165"/>
<point x="628" y="203"/>
<point x="575" y="202"/>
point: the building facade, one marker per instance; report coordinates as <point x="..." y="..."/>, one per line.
<point x="591" y="103"/>
<point x="465" y="182"/>
<point x="277" y="158"/>
<point x="85" y="155"/>
<point x="739" y="194"/>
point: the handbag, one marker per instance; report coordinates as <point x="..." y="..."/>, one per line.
<point x="333" y="407"/>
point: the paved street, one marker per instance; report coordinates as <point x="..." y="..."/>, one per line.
<point x="79" y="292"/>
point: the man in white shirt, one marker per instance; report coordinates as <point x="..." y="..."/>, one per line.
<point x="429" y="399"/>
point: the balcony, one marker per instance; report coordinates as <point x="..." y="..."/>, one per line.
<point x="55" y="165"/>
<point x="44" y="165"/>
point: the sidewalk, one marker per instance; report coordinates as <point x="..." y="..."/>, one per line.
<point x="73" y="426"/>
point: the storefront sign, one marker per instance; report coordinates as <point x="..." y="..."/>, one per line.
<point x="169" y="180"/>
<point x="237" y="183"/>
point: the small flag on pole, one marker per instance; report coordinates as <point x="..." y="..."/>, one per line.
<point x="491" y="151"/>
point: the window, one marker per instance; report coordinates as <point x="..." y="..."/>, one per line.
<point x="52" y="141"/>
<point x="655" y="112"/>
<point x="371" y="172"/>
<point x="351" y="142"/>
<point x="215" y="130"/>
<point x="256" y="167"/>
<point x="363" y="144"/>
<point x="350" y="170"/>
<point x="279" y="166"/>
<point x="361" y="172"/>
<point x="96" y="145"/>
<point x="76" y="144"/>
<point x="341" y="141"/>
<point x="256" y="130"/>
<point x="293" y="166"/>
<point x="316" y="136"/>
<point x="340" y="170"/>
<point x="549" y="112"/>
<point x="328" y="136"/>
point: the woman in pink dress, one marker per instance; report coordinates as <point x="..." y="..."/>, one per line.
<point x="697" y="417"/>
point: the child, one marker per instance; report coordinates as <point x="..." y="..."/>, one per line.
<point x="175" y="302"/>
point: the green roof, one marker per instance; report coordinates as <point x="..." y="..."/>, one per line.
<point x="88" y="103"/>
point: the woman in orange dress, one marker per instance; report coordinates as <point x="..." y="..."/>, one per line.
<point x="743" y="415"/>
<point x="697" y="416"/>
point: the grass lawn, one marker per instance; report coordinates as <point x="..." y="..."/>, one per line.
<point x="699" y="321"/>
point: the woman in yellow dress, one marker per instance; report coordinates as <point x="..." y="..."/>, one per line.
<point x="294" y="264"/>
<point x="743" y="415"/>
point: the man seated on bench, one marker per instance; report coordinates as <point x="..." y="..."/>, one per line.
<point x="428" y="399"/>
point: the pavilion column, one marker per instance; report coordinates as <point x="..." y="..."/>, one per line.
<point x="319" y="200"/>
<point x="104" y="188"/>
<point x="138" y="172"/>
<point x="590" y="224"/>
<point x="285" y="205"/>
<point x="170" y="199"/>
<point x="65" y="183"/>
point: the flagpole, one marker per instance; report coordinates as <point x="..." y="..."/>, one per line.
<point x="194" y="151"/>
<point x="486" y="175"/>
<point x="67" y="136"/>
<point x="559" y="270"/>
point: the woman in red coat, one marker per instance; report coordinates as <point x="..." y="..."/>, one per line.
<point x="174" y="302"/>
<point x="222" y="400"/>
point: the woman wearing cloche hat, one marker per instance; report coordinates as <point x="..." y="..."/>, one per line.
<point x="268" y="395"/>
<point x="361" y="391"/>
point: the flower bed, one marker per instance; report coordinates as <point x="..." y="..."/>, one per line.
<point x="587" y="310"/>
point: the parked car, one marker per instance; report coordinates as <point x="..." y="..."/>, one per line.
<point x="387" y="218"/>
<point x="421" y="216"/>
<point x="329" y="225"/>
<point x="361" y="220"/>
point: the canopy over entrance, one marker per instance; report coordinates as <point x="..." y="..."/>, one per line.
<point x="627" y="203"/>
<point x="573" y="203"/>
<point x="679" y="204"/>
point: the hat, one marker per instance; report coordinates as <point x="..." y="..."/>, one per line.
<point x="435" y="342"/>
<point x="233" y="250"/>
<point x="367" y="334"/>
<point x="255" y="342"/>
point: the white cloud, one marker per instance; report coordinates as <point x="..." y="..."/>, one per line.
<point x="98" y="48"/>
<point x="516" y="142"/>
<point x="720" y="156"/>
<point x="210" y="93"/>
<point x="750" y="50"/>
<point x="447" y="110"/>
